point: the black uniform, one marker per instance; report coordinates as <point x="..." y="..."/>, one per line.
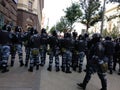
<point x="109" y="46"/>
<point x="54" y="50"/>
<point x="34" y="51"/>
<point x="97" y="63"/>
<point x="17" y="45"/>
<point x="43" y="47"/>
<point x="5" y="41"/>
<point x="66" y="45"/>
<point x="117" y="56"/>
<point x="80" y="47"/>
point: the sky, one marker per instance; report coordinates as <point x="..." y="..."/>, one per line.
<point x="53" y="10"/>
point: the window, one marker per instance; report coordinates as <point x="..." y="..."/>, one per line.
<point x="1" y="20"/>
<point x="30" y="5"/>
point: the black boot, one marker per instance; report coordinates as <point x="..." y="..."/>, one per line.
<point x="12" y="63"/>
<point x="4" y="70"/>
<point x="119" y="72"/>
<point x="57" y="69"/>
<point x="80" y="70"/>
<point x="30" y="69"/>
<point x="81" y="85"/>
<point x="103" y="89"/>
<point x="68" y="70"/>
<point x="63" y="69"/>
<point x="74" y="68"/>
<point x="37" y="67"/>
<point x="111" y="72"/>
<point x="21" y="64"/>
<point x="49" y="68"/>
<point x="26" y="64"/>
<point x="41" y="64"/>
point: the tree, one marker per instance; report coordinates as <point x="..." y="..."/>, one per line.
<point x="114" y="33"/>
<point x="62" y="25"/>
<point x="73" y="14"/>
<point x="91" y="12"/>
<point x="52" y="29"/>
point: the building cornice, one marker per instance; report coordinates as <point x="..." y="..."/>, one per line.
<point x="27" y="12"/>
<point x="114" y="8"/>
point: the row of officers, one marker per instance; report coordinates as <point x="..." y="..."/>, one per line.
<point x="102" y="55"/>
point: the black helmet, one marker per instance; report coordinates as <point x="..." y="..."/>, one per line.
<point x="96" y="37"/>
<point x="86" y="35"/>
<point x="54" y="33"/>
<point x="35" y="31"/>
<point x="67" y="34"/>
<point x="8" y="28"/>
<point x="18" y="29"/>
<point x="31" y="30"/>
<point x="74" y="34"/>
<point x="108" y="38"/>
<point x="80" y="37"/>
<point x="43" y="30"/>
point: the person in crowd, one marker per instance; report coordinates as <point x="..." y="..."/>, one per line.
<point x="97" y="63"/>
<point x="5" y="41"/>
<point x="43" y="47"/>
<point x="17" y="46"/>
<point x="34" y="50"/>
<point x="54" y="51"/>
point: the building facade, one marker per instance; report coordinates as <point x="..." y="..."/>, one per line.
<point x="8" y="12"/>
<point x="111" y="19"/>
<point x="29" y="13"/>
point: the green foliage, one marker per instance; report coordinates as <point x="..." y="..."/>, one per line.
<point x="113" y="17"/>
<point x="73" y="14"/>
<point x="52" y="29"/>
<point x="91" y="12"/>
<point x="63" y="25"/>
<point x="114" y="33"/>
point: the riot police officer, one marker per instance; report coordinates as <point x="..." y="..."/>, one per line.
<point x="97" y="62"/>
<point x="5" y="41"/>
<point x="80" y="47"/>
<point x="17" y="45"/>
<point x="26" y="39"/>
<point x="117" y="55"/>
<point x="66" y="46"/>
<point x="109" y="45"/>
<point x="34" y="51"/>
<point x="74" y="54"/>
<point x="53" y="42"/>
<point x="43" y="47"/>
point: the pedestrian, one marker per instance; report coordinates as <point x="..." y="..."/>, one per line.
<point x="54" y="51"/>
<point x="5" y="41"/>
<point x="97" y="63"/>
<point x="34" y="51"/>
<point x="43" y="47"/>
<point x="17" y="45"/>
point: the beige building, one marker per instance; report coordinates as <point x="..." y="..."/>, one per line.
<point x="8" y="12"/>
<point x="111" y="18"/>
<point x="30" y="13"/>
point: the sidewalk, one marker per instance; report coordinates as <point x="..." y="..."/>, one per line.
<point x="18" y="78"/>
<point x="62" y="81"/>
